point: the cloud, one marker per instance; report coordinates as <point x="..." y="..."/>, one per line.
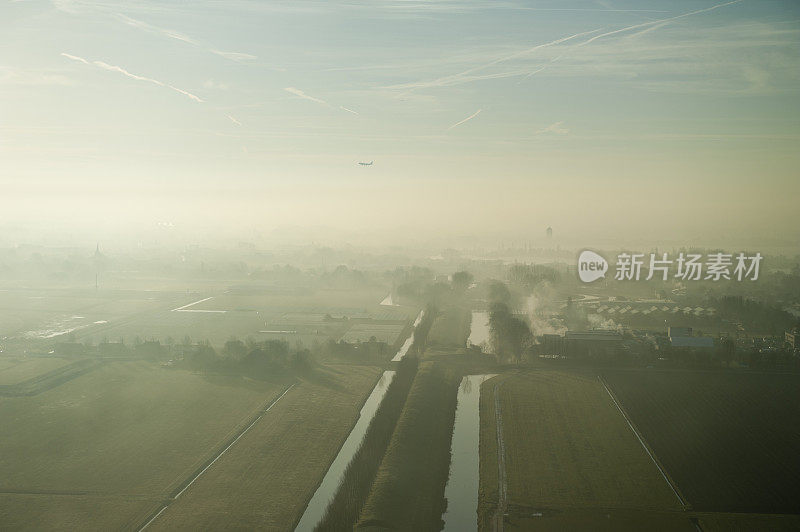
<point x="467" y="119"/>
<point x="120" y="70"/>
<point x="301" y="94"/>
<point x="217" y="85"/>
<point x="31" y="77"/>
<point x="553" y="128"/>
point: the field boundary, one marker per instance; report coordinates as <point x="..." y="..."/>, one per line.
<point x="199" y="472"/>
<point x="51" y="379"/>
<point x="684" y="504"/>
<point x="361" y="404"/>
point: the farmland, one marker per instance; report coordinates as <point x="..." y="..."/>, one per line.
<point x="265" y="481"/>
<point x="118" y="439"/>
<point x="729" y="440"/>
<point x="214" y="313"/>
<point x="103" y="438"/>
<point x="408" y="491"/>
<point x="16" y="370"/>
<point x="569" y="456"/>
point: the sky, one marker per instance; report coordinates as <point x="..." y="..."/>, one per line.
<point x="604" y="119"/>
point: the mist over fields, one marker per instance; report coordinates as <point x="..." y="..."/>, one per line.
<point x="460" y="265"/>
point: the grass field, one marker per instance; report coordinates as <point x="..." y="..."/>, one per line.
<point x="567" y="445"/>
<point x="489" y="485"/>
<point x="728" y="439"/>
<point x="570" y="456"/>
<point x="103" y="448"/>
<point x="408" y="491"/>
<point x="16" y="370"/>
<point x="451" y="328"/>
<point x="211" y="312"/>
<point x="43" y="313"/>
<point x="266" y="479"/>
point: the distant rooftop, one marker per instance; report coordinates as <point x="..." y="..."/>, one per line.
<point x="592" y="335"/>
<point x="686" y="341"/>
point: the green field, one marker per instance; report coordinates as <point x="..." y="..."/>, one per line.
<point x="408" y="490"/>
<point x="211" y="312"/>
<point x="15" y="370"/>
<point x="102" y="449"/>
<point x="267" y="478"/>
<point x="570" y="457"/>
<point x="729" y="439"/>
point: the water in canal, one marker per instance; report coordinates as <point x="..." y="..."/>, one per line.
<point x="410" y="340"/>
<point x="462" y="486"/>
<point x="327" y="489"/>
<point x="479" y="330"/>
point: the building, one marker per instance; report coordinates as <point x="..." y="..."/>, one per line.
<point x="592" y="343"/>
<point x="552" y="344"/>
<point x="679" y="332"/>
<point x="793" y="338"/>
<point x="691" y="343"/>
<point x="549" y="233"/>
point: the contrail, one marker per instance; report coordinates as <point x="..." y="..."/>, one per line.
<point x="651" y="23"/>
<point x="533" y="49"/>
<point x="461" y="77"/>
<point x="553" y="128"/>
<point x="467" y="119"/>
<point x="114" y="68"/>
<point x="237" y="57"/>
<point x="301" y="94"/>
<point x="232" y="119"/>
<point x="120" y="70"/>
<point x="155" y="29"/>
<point x="75" y="58"/>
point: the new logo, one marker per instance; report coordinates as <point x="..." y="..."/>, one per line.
<point x="591" y="266"/>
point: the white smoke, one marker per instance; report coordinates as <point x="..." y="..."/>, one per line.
<point x="543" y="310"/>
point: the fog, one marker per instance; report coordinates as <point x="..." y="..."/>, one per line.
<point x="247" y="249"/>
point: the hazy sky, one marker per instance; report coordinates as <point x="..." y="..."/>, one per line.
<point x="672" y="119"/>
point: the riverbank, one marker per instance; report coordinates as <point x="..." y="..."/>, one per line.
<point x="408" y="492"/>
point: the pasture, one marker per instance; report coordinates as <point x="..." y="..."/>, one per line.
<point x="14" y="370"/>
<point x="207" y="311"/>
<point x="408" y="491"/>
<point x="728" y="439"/>
<point x="570" y="457"/>
<point x="265" y="481"/>
<point x="102" y="449"/>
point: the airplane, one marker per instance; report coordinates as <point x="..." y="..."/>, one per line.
<point x="366" y="164"/>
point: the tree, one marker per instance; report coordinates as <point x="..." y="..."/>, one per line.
<point x="461" y="281"/>
<point x="728" y="349"/>
<point x="499" y="293"/>
<point x="510" y="335"/>
<point x="234" y="348"/>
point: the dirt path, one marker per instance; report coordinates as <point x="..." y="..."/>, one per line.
<point x="502" y="485"/>
<point x="192" y="479"/>
<point x="681" y="501"/>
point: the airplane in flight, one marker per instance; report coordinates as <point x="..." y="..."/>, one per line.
<point x="366" y="164"/>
